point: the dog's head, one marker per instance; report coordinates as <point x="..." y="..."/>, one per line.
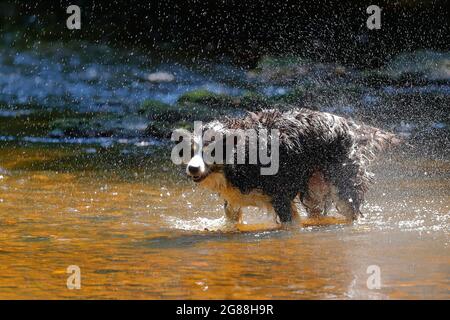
<point x="197" y="168"/>
<point x="201" y="151"/>
<point x="233" y="142"/>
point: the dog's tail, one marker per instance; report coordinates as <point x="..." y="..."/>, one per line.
<point x="372" y="141"/>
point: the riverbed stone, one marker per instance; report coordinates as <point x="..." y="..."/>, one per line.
<point x="97" y="126"/>
<point x="289" y="70"/>
<point x="164" y="129"/>
<point x="208" y="98"/>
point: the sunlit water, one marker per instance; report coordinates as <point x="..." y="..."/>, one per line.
<point x="137" y="229"/>
<point x="116" y="206"/>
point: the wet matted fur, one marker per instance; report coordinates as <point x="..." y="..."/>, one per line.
<point x="323" y="159"/>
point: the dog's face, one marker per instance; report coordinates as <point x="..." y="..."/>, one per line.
<point x="197" y="168"/>
<point x="210" y="149"/>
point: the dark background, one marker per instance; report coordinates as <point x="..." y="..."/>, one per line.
<point x="242" y="30"/>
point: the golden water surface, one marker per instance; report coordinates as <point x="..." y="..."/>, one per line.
<point x="136" y="228"/>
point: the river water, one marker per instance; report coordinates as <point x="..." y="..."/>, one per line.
<point x="138" y="229"/>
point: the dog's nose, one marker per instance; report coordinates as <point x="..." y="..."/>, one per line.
<point x="193" y="170"/>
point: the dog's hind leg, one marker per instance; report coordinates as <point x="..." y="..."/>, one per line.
<point x="233" y="213"/>
<point x="347" y="190"/>
<point x="344" y="205"/>
<point x="346" y="199"/>
<point x="318" y="196"/>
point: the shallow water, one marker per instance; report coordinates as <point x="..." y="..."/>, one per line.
<point x="120" y="210"/>
<point x="136" y="228"/>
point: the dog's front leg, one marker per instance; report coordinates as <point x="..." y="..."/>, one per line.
<point x="283" y="209"/>
<point x="233" y="213"/>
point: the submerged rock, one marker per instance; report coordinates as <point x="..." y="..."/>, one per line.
<point x="221" y="104"/>
<point x="418" y="68"/>
<point x="252" y="101"/>
<point x="208" y="98"/>
<point x="156" y="110"/>
<point x="164" y="118"/>
<point x="198" y="105"/>
<point x="293" y="69"/>
<point x="164" y="129"/>
<point x="431" y="65"/>
<point x="97" y="126"/>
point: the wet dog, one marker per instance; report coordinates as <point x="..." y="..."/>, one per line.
<point x="322" y="159"/>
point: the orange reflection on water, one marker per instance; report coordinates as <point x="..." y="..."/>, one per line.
<point x="145" y="238"/>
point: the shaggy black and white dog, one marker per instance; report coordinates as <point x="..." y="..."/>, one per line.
<point x="323" y="160"/>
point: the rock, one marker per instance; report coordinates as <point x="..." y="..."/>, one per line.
<point x="418" y="68"/>
<point x="156" y="110"/>
<point x="197" y="105"/>
<point x="96" y="126"/>
<point x="252" y="101"/>
<point x="160" y="76"/>
<point x="164" y="129"/>
<point x="281" y="70"/>
<point x="205" y="97"/>
<point x="293" y="69"/>
<point x="431" y="65"/>
<point x="221" y="104"/>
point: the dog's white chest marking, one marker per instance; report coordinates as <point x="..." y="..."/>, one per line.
<point x="216" y="182"/>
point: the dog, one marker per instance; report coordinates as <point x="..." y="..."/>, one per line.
<point x="323" y="161"/>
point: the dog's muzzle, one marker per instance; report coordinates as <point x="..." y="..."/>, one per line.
<point x="196" y="169"/>
<point x="195" y="173"/>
